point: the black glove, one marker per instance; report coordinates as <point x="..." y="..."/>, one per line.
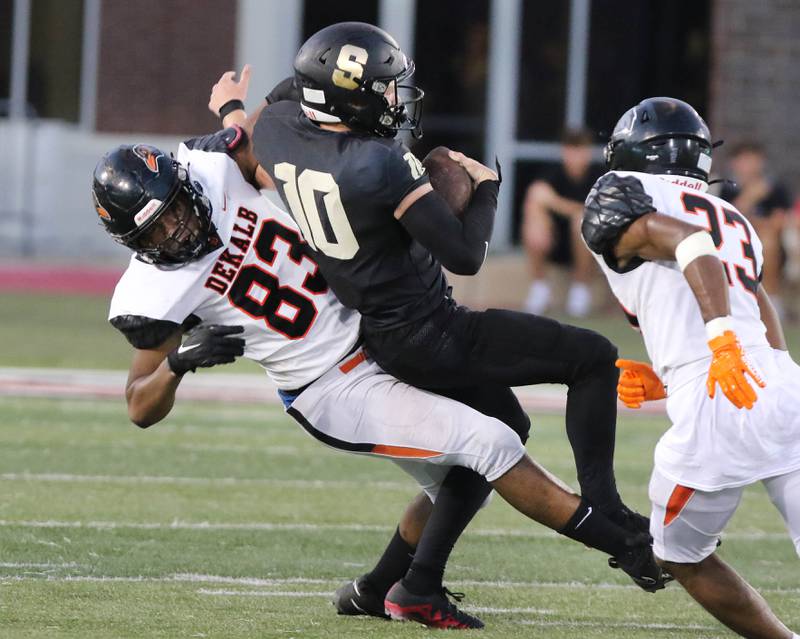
<point x="206" y="346"/>
<point x="284" y="90"/>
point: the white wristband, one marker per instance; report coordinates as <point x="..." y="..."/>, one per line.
<point x="694" y="246"/>
<point x="718" y="325"/>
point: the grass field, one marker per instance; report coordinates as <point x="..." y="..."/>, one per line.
<point x="229" y="521"/>
<point x="69" y="331"/>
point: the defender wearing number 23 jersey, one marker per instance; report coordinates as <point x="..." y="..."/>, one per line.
<point x="711" y="445"/>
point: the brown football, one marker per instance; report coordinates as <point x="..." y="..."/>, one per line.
<point x="449" y="179"/>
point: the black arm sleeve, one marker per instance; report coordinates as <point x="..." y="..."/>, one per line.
<point x="459" y="244"/>
<point x="224" y="141"/>
<point x="146" y="333"/>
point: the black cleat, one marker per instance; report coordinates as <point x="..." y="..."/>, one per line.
<point x="640" y="565"/>
<point x="435" y="610"/>
<point x="358" y="597"/>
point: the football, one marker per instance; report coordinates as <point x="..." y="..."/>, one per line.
<point x="449" y="179"/>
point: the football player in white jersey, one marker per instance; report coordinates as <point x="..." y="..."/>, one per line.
<point x="213" y="255"/>
<point x="686" y="267"/>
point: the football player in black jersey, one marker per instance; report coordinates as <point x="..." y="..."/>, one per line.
<point x="381" y="236"/>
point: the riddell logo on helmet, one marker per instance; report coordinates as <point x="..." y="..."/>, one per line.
<point x="149" y="155"/>
<point x="147" y="212"/>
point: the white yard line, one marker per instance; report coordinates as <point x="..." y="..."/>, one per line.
<point x="263" y="593"/>
<point x="192" y="578"/>
<point x="313" y="527"/>
<point x="227" y="387"/>
<point x="633" y="625"/>
<point x="291" y="593"/>
<point x="203" y="481"/>
<point x="24" y="564"/>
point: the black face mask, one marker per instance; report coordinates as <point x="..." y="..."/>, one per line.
<point x="192" y="234"/>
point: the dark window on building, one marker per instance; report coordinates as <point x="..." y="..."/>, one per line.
<point x="451" y="54"/>
<point x="643" y="49"/>
<point x="6" y="20"/>
<point x="544" y="50"/>
<point x="319" y="14"/>
<point x="54" y="74"/>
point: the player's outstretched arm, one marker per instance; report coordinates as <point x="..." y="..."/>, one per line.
<point x="227" y="103"/>
<point x="156" y="373"/>
<point x="151" y="386"/>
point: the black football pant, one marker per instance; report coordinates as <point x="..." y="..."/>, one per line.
<point x="474" y="357"/>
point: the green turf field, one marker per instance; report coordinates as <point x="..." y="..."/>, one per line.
<point x="71" y="331"/>
<point x="231" y="522"/>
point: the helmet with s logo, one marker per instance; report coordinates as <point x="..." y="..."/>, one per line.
<point x="351" y="72"/>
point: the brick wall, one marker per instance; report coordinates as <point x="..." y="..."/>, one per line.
<point x="158" y="61"/>
<point x="755" y="79"/>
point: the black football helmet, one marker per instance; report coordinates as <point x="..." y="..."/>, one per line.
<point x="134" y="188"/>
<point x="661" y="135"/>
<point x="344" y="72"/>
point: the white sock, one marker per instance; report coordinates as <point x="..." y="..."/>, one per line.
<point x="579" y="300"/>
<point x="539" y="296"/>
<point x="795" y="636"/>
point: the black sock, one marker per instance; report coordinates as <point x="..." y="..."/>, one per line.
<point x="460" y="497"/>
<point x="591" y="527"/>
<point x="591" y="417"/>
<point x="392" y="565"/>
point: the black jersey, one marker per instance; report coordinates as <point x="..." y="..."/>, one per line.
<point x="342" y="190"/>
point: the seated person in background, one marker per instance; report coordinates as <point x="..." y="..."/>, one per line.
<point x="551" y="228"/>
<point x="766" y="203"/>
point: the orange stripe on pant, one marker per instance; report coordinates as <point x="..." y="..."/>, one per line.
<point x="351" y="363"/>
<point x="677" y="502"/>
<point x="404" y="451"/>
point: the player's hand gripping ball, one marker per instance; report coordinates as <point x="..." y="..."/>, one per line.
<point x="449" y="179"/>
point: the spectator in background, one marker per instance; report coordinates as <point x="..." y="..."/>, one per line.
<point x="766" y="203"/>
<point x="553" y="210"/>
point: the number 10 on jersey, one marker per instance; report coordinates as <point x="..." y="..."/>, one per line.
<point x="338" y="240"/>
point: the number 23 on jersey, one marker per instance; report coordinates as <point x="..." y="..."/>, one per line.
<point x="733" y="227"/>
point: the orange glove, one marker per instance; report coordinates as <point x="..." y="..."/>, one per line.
<point x="638" y="383"/>
<point x="728" y="368"/>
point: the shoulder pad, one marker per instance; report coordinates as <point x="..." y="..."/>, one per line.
<point x="613" y="204"/>
<point x="145" y="332"/>
<point x="224" y="141"/>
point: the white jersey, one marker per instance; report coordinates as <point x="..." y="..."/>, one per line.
<point x="711" y="444"/>
<point x="261" y="278"/>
